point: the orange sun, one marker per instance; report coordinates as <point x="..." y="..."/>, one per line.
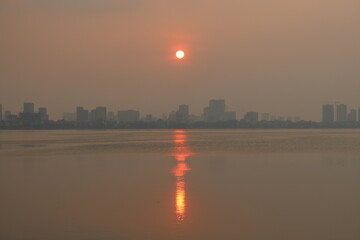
<point x="180" y="54"/>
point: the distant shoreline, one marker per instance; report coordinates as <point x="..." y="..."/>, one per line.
<point x="162" y="125"/>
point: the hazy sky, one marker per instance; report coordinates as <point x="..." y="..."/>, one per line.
<point x="286" y="57"/>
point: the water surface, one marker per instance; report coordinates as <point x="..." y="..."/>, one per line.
<point x="193" y="184"/>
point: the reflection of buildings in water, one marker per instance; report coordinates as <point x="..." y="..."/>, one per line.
<point x="180" y="151"/>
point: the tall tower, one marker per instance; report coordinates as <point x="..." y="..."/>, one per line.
<point x="29" y="107"/>
<point x="328" y="113"/>
<point x="341" y="113"/>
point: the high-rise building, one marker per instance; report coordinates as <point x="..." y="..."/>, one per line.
<point x="328" y="113"/>
<point x="29" y="107"/>
<point x="182" y="115"/>
<point x="265" y="117"/>
<point x="217" y="105"/>
<point x="82" y="115"/>
<point x="128" y="116"/>
<point x="341" y="113"/>
<point x="100" y="114"/>
<point x="216" y="111"/>
<point x="251" y="117"/>
<point x="43" y="114"/>
<point x="352" y="116"/>
<point x="92" y="116"/>
<point x="359" y="114"/>
<point x="1" y="112"/>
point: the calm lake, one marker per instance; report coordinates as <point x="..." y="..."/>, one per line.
<point x="180" y="184"/>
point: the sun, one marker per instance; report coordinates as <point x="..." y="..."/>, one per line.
<point x="180" y="54"/>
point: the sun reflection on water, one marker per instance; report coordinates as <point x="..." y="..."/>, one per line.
<point x="181" y="151"/>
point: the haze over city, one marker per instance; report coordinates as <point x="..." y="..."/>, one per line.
<point x="284" y="57"/>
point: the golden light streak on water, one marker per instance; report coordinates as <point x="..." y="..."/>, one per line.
<point x="181" y="151"/>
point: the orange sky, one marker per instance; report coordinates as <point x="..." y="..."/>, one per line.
<point x="278" y="56"/>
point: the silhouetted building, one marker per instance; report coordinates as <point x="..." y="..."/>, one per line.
<point x="265" y="117"/>
<point x="100" y="114"/>
<point x="216" y="111"/>
<point x="92" y="116"/>
<point x="182" y="115"/>
<point x="217" y="105"/>
<point x="128" y="116"/>
<point x="82" y="115"/>
<point x="352" y="115"/>
<point x="69" y="117"/>
<point x="328" y="113"/>
<point x="12" y="118"/>
<point x="251" y="117"/>
<point x="29" y="107"/>
<point x="43" y="114"/>
<point x="30" y="119"/>
<point x="341" y="113"/>
<point x="1" y="112"/>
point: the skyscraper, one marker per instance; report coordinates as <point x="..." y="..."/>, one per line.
<point x="82" y="115"/>
<point x="182" y="115"/>
<point x="216" y="111"/>
<point x="100" y="114"/>
<point x="43" y="114"/>
<point x="328" y="113"/>
<point x="251" y="117"/>
<point x="92" y="115"/>
<point x="341" y="113"/>
<point x="29" y="107"/>
<point x="352" y="115"/>
<point x="217" y="105"/>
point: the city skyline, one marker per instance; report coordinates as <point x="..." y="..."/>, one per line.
<point x="216" y="111"/>
<point x="121" y="54"/>
<point x="240" y="109"/>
